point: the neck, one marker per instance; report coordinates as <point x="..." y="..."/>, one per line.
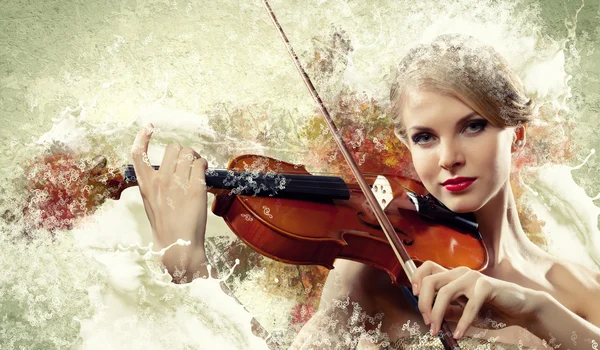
<point x="501" y="230"/>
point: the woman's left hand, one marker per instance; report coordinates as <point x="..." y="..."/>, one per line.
<point x="514" y="304"/>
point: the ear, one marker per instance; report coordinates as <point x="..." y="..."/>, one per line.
<point x="519" y="138"/>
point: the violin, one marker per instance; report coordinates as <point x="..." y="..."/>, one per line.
<point x="284" y="212"/>
<point x="289" y="215"/>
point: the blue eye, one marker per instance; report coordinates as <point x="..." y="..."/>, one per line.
<point x="476" y="126"/>
<point x="421" y="138"/>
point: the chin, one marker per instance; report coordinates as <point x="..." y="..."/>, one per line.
<point x="462" y="205"/>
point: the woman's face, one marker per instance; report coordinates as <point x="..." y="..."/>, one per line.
<point x="448" y="140"/>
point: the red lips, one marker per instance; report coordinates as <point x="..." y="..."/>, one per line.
<point x="458" y="183"/>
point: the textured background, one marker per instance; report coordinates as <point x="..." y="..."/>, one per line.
<point x="90" y="73"/>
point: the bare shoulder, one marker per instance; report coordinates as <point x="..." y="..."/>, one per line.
<point x="573" y="277"/>
<point x="577" y="282"/>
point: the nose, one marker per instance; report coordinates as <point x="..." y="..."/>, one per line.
<point x="450" y="155"/>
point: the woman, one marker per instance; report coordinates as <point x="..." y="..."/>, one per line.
<point x="463" y="115"/>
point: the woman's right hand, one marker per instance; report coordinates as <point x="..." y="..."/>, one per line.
<point x="175" y="200"/>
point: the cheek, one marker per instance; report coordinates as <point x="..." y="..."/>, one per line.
<point x="504" y="163"/>
<point x="497" y="159"/>
<point x="426" y="168"/>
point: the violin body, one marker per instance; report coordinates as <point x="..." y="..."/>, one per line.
<point x="305" y="232"/>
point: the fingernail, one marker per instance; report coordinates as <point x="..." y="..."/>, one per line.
<point x="426" y="319"/>
<point x="414" y="286"/>
<point x="457" y="333"/>
<point x="432" y="329"/>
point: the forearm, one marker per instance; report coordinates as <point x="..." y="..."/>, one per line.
<point x="553" y="322"/>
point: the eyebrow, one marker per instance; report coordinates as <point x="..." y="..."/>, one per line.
<point x="428" y="129"/>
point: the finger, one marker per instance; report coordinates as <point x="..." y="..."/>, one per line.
<point x="184" y="162"/>
<point x="429" y="286"/>
<point x="139" y="153"/>
<point x="169" y="162"/>
<point x="469" y="314"/>
<point x="426" y="269"/>
<point x="198" y="175"/>
<point x="444" y="297"/>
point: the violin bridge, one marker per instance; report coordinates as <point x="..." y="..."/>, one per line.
<point x="382" y="191"/>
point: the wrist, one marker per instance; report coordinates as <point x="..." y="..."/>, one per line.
<point x="186" y="263"/>
<point x="539" y="303"/>
<point x="198" y="265"/>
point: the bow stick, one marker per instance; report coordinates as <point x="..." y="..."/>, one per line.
<point x="405" y="260"/>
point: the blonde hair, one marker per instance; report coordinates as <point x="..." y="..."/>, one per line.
<point x="461" y="66"/>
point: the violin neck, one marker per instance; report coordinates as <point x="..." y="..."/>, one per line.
<point x="289" y="186"/>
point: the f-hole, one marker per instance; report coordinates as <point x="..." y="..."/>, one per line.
<point x="406" y="238"/>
